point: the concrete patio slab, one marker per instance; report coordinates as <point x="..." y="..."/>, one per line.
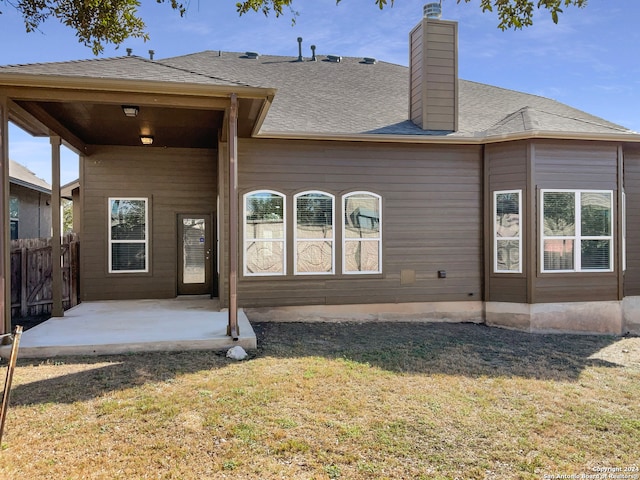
<point x="125" y="326"/>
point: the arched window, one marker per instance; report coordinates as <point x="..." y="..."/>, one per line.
<point x="362" y="233"/>
<point x="264" y="233"/>
<point x="314" y="233"/>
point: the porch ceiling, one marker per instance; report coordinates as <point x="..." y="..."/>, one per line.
<point x="106" y="124"/>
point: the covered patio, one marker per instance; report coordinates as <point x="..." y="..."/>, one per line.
<point x="127" y="326"/>
<point x="141" y="122"/>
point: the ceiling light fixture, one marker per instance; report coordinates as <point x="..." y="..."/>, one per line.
<point x="130" y="110"/>
<point x="146" y="139"/>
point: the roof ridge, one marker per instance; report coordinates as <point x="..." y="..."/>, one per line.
<point x="527" y="113"/>
<point x="605" y="124"/>
<point x="83" y="60"/>
<point x="291" y="58"/>
<point x="160" y="62"/>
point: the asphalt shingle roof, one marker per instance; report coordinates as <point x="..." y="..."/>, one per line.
<point x="117" y="68"/>
<point x="20" y="174"/>
<point x="351" y="97"/>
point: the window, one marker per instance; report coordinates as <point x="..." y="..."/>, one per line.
<point x="264" y="233"/>
<point x="577" y="231"/>
<point x="362" y="233"/>
<point x="128" y="235"/>
<point x="314" y="233"/>
<point x="14" y="215"/>
<point x="507" y="231"/>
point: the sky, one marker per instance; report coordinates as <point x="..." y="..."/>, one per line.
<point x="589" y="60"/>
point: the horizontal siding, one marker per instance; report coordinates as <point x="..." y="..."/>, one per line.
<point x="416" y="75"/>
<point x="576" y="287"/>
<point x="574" y="165"/>
<point x="507" y="170"/>
<point x="632" y="191"/>
<point x="433" y="75"/>
<point x="142" y="172"/>
<point x="508" y="288"/>
<point x="432" y="211"/>
<point x="584" y="166"/>
<point x="439" y="111"/>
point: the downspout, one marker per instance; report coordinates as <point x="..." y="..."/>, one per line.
<point x="232" y="329"/>
<point x="5" y="239"/>
<point x="56" y="247"/>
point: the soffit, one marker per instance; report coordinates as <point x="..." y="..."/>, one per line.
<point x="105" y="124"/>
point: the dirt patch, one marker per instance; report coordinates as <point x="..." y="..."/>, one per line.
<point x="454" y="348"/>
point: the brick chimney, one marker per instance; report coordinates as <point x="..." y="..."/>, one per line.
<point x="433" y="68"/>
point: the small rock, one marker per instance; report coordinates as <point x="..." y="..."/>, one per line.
<point x="237" y="353"/>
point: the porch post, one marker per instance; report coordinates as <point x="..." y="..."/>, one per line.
<point x="56" y="247"/>
<point x="232" y="329"/>
<point x="5" y="232"/>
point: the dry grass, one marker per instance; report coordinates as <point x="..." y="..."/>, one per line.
<point x="318" y="401"/>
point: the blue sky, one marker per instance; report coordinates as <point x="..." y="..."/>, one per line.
<point x="589" y="60"/>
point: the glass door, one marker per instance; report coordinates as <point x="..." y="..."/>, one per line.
<point x="195" y="254"/>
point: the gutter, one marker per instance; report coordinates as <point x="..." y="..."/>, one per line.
<point x="23" y="80"/>
<point x="31" y="186"/>
<point x="455" y="140"/>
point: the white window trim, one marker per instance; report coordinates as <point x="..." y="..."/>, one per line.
<point x="146" y="235"/>
<point x="345" y="239"/>
<point x="495" y="231"/>
<point x="246" y="240"/>
<point x="324" y="239"/>
<point x="577" y="237"/>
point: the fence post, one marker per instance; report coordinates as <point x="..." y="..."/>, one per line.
<point x="24" y="304"/>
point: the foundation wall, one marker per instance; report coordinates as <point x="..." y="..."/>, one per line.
<point x="575" y="317"/>
<point x="415" y="312"/>
<point x="599" y="318"/>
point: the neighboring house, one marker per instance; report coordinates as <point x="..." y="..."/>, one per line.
<point x="29" y="203"/>
<point x="344" y="187"/>
<point x="71" y="192"/>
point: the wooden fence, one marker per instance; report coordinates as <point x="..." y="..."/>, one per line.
<point x="31" y="269"/>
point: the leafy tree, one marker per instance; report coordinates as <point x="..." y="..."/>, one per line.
<point x="67" y="216"/>
<point x="97" y="22"/>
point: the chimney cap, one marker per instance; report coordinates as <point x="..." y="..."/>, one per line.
<point x="432" y="10"/>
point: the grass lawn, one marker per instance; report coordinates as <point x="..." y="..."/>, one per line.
<point x="343" y="400"/>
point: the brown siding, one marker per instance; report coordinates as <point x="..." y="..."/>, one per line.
<point x="632" y="191"/>
<point x="576" y="165"/>
<point x="174" y="180"/>
<point x="506" y="166"/>
<point x="432" y="218"/>
<point x="416" y="71"/>
<point x="434" y="75"/>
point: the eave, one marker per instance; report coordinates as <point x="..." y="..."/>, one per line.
<point x="30" y="81"/>
<point x="456" y="140"/>
<point x="30" y="186"/>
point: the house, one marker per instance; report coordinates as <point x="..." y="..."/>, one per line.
<point x="29" y="203"/>
<point x="329" y="187"/>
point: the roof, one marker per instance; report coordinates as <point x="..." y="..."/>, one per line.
<point x="356" y="97"/>
<point x="347" y="98"/>
<point x="21" y="175"/>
